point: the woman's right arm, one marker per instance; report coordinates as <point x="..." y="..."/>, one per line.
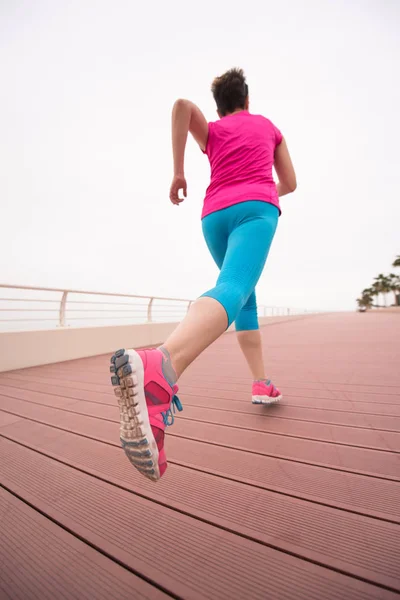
<point x="186" y="116"/>
<point x="284" y="169"/>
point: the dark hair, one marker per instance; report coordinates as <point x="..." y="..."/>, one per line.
<point x="230" y="91"/>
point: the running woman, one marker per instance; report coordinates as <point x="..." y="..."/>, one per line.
<point x="239" y="219"/>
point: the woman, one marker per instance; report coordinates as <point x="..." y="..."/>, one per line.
<point x="240" y="216"/>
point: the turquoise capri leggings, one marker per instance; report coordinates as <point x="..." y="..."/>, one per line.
<point x="239" y="238"/>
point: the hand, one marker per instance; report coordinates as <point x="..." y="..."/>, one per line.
<point x="178" y="183"/>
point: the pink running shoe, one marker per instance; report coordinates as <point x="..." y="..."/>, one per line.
<point x="264" y="392"/>
<point x="145" y="399"/>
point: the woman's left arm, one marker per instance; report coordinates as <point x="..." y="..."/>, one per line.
<point x="186" y="117"/>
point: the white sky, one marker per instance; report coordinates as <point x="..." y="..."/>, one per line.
<point x="85" y="162"/>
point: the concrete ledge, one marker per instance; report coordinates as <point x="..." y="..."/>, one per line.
<point x="21" y="349"/>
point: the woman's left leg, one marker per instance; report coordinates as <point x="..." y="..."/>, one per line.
<point x="249" y="338"/>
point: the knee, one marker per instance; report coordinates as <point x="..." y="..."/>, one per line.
<point x="246" y="322"/>
<point x="232" y="296"/>
<point x="247" y="319"/>
<point x="236" y="299"/>
<point x="249" y="338"/>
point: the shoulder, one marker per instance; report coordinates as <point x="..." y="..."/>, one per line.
<point x="271" y="127"/>
<point x="214" y="124"/>
<point x="263" y="120"/>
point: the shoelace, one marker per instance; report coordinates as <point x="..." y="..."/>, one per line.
<point x="268" y="382"/>
<point x="168" y="415"/>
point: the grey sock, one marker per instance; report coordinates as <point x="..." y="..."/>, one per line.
<point x="168" y="369"/>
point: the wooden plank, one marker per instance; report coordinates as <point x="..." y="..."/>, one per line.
<point x="342" y="434"/>
<point x="351" y="459"/>
<point x="330" y="537"/>
<point x="7" y="419"/>
<point x="284" y="411"/>
<point x="319" y="401"/>
<point x="354" y="392"/>
<point x="39" y="559"/>
<point x="372" y="402"/>
<point x="364" y="495"/>
<point x="180" y="554"/>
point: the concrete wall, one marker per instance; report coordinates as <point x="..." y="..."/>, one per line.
<point x="20" y="349"/>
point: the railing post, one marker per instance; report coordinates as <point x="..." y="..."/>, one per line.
<point x="149" y="313"/>
<point x="189" y="305"/>
<point x="62" y="309"/>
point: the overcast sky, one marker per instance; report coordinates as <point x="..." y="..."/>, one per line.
<point x="85" y="155"/>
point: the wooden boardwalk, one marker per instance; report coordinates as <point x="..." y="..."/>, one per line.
<point x="296" y="501"/>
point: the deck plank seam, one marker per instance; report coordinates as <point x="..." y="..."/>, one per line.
<point x="220" y="476"/>
<point x="218" y="444"/>
<point x="186" y="513"/>
<point x="91" y="544"/>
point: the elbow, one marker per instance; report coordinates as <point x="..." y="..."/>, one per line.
<point x="181" y="103"/>
<point x="181" y="109"/>
<point x="290" y="186"/>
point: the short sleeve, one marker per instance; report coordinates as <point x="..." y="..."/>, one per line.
<point x="208" y="145"/>
<point x="278" y="135"/>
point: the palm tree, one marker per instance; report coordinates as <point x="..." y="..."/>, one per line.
<point x="395" y="287"/>
<point x="382" y="285"/>
<point x="387" y="285"/>
<point x="368" y="294"/>
<point x="376" y="290"/>
<point x="366" y="298"/>
<point x="396" y="262"/>
<point x="360" y="302"/>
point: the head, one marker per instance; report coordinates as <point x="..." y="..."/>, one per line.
<point x="231" y="92"/>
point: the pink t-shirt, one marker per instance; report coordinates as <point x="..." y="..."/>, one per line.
<point x="240" y="148"/>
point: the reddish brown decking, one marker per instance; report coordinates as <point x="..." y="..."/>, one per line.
<point x="297" y="501"/>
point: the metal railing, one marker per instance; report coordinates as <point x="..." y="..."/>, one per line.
<point x="27" y="307"/>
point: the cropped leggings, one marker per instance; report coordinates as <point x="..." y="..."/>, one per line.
<point x="239" y="238"/>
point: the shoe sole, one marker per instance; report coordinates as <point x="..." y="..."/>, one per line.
<point x="136" y="435"/>
<point x="265" y="399"/>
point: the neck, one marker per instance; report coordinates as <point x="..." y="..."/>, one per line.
<point x="238" y="110"/>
